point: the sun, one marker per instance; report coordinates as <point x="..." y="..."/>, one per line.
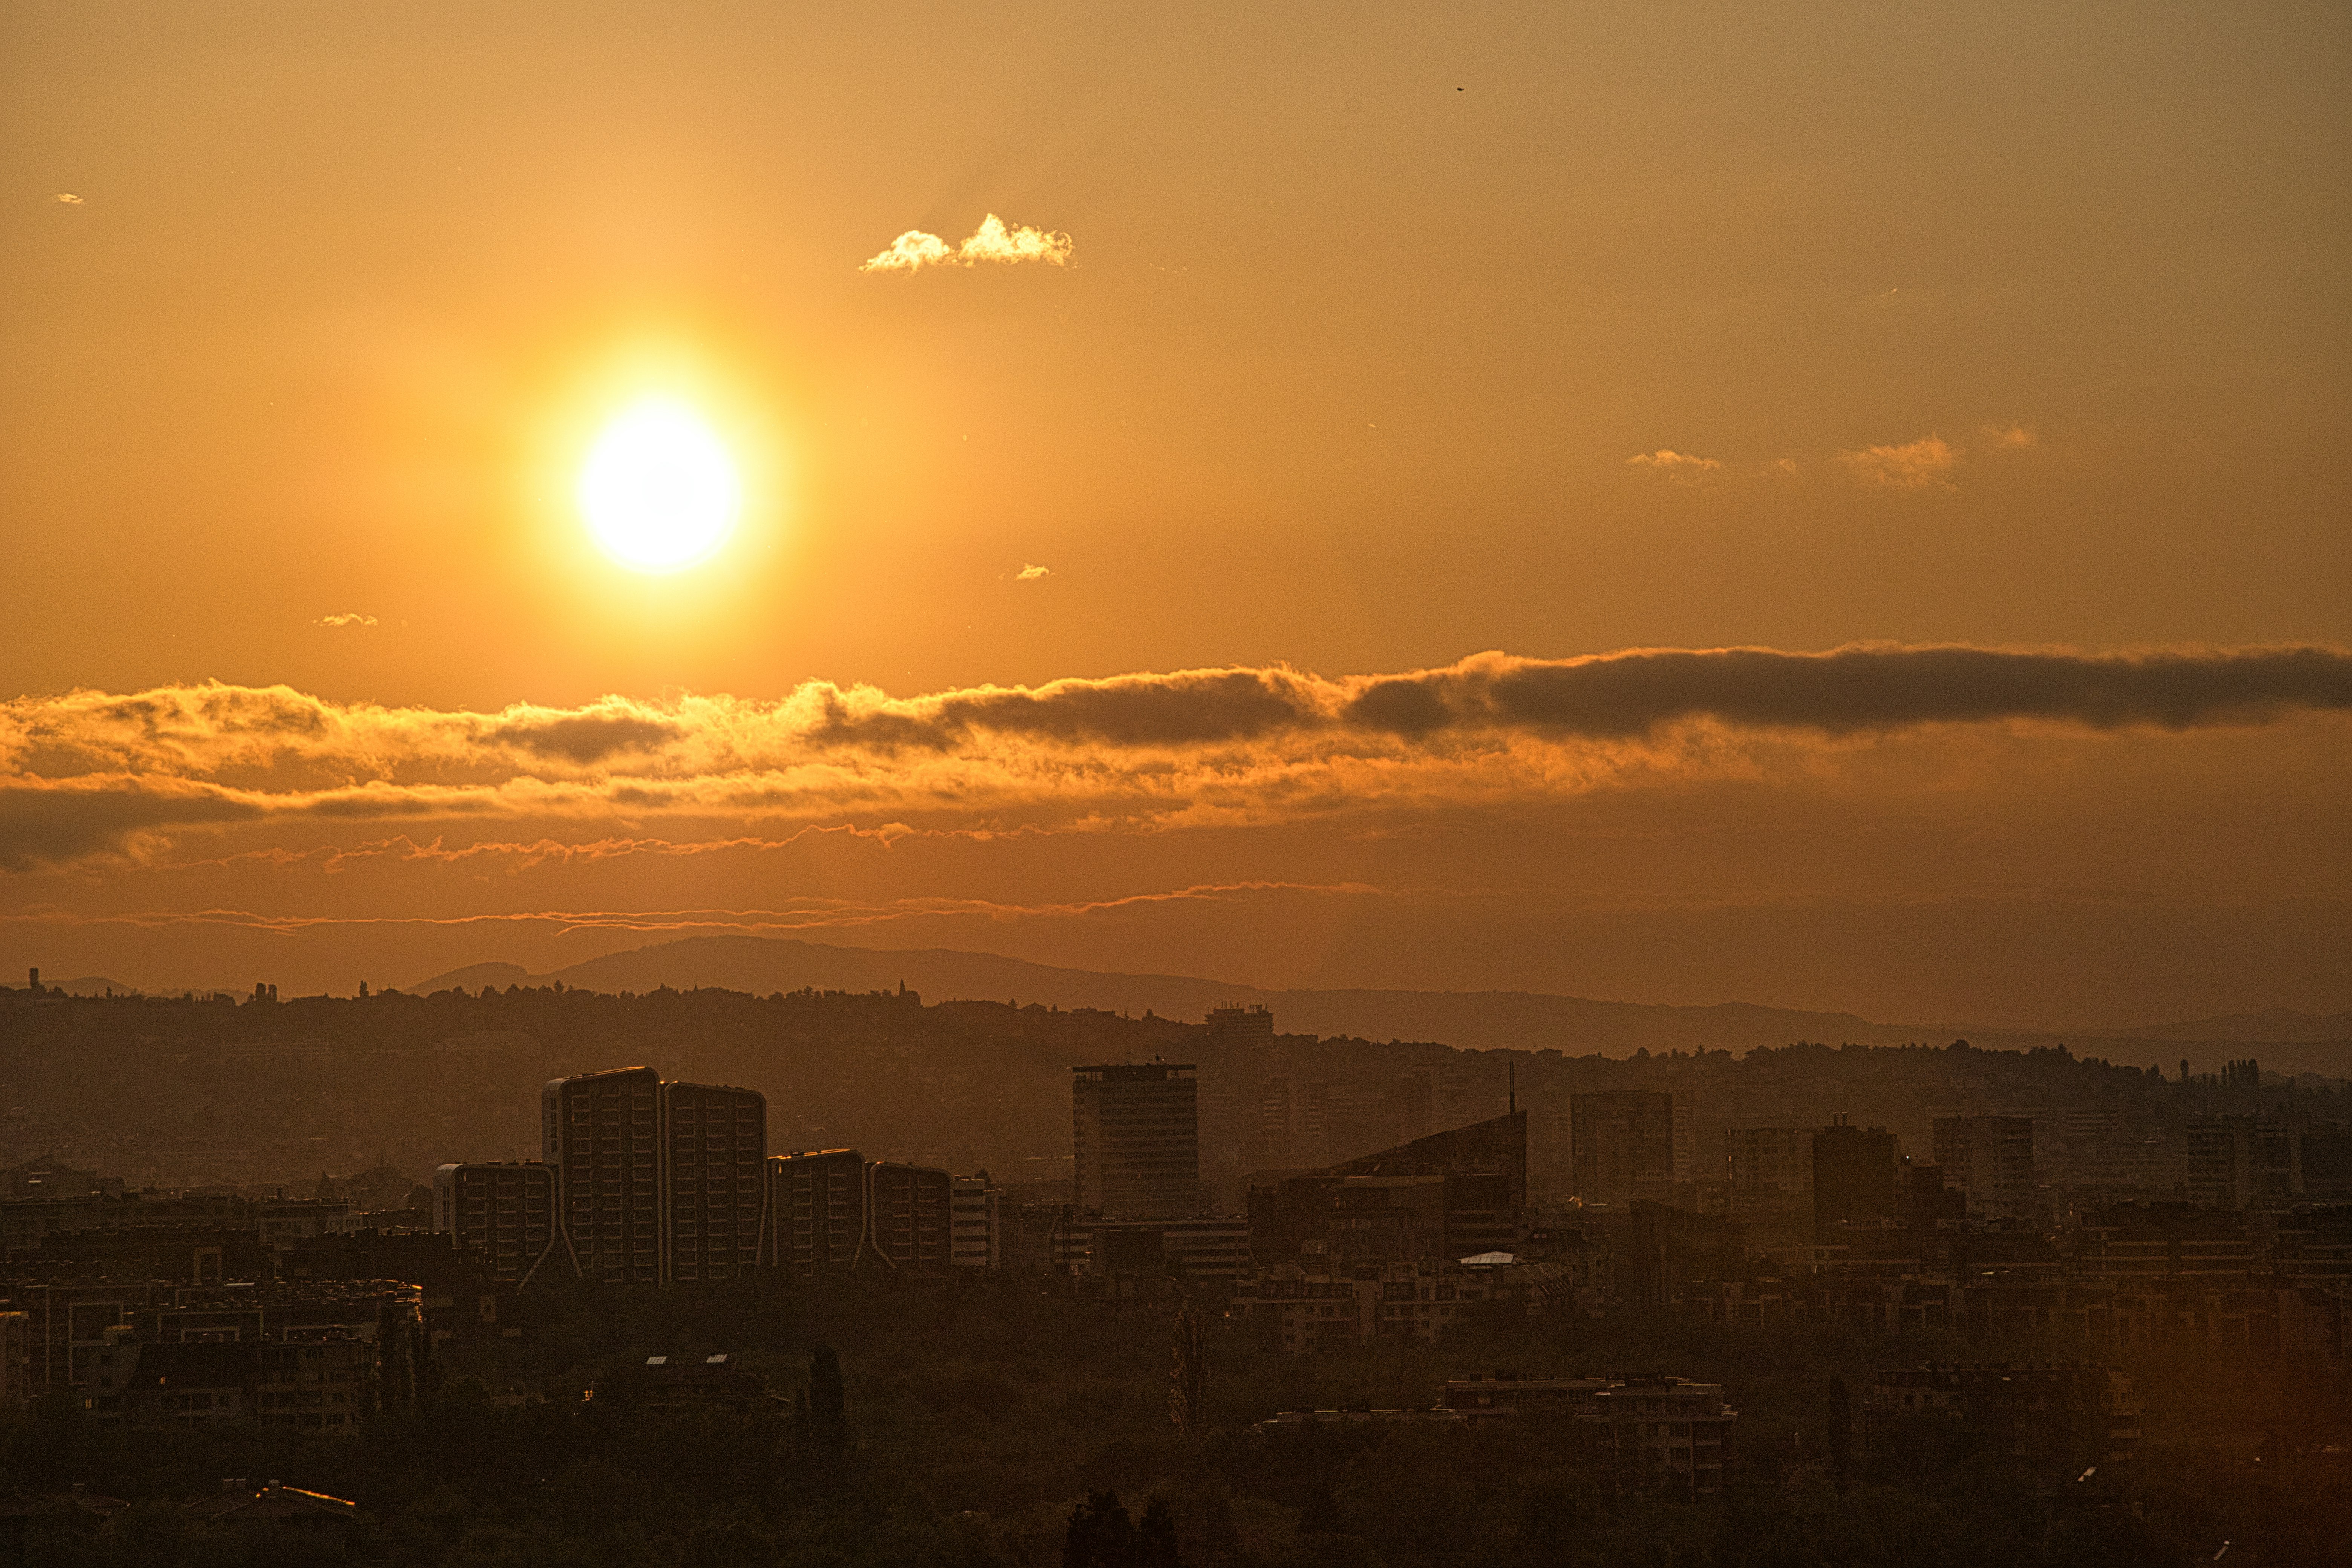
<point x="658" y="490"/>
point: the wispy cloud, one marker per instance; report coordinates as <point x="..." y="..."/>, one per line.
<point x="351" y="619"/>
<point x="68" y="198"/>
<point x="98" y="774"/>
<point x="1915" y="465"/>
<point x="2014" y="438"/>
<point x="993" y="241"/>
<point x="1031" y="573"/>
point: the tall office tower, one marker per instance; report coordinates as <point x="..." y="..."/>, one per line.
<point x="1770" y="1170"/>
<point x="503" y="1213"/>
<point x="908" y="1216"/>
<point x="816" y="1210"/>
<point x="1622" y="1146"/>
<point x="1990" y="1158"/>
<point x="1854" y="1178"/>
<point x="714" y="1156"/>
<point x="1232" y="1027"/>
<point x="1136" y="1141"/>
<point x="974" y="1238"/>
<point x="602" y="1131"/>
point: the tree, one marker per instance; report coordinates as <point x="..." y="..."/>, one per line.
<point x="1155" y="1538"/>
<point x="821" y="1413"/>
<point x="1188" y="1374"/>
<point x="1101" y="1535"/>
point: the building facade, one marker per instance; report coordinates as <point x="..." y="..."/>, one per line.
<point x="975" y="1236"/>
<point x="603" y="1133"/>
<point x="1990" y="1158"/>
<point x="713" y="1161"/>
<point x="816" y="1211"/>
<point x="1136" y="1141"/>
<point x="1622" y="1146"/>
<point x="505" y="1214"/>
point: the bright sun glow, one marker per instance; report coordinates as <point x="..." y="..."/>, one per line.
<point x="658" y="490"/>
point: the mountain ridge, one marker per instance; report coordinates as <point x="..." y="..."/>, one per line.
<point x="1466" y="1019"/>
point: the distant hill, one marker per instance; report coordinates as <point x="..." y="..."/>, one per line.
<point x="1478" y="1019"/>
<point x="2279" y="1025"/>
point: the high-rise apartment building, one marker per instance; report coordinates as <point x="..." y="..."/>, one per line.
<point x="1990" y="1158"/>
<point x="602" y="1131"/>
<point x="1136" y="1141"/>
<point x="657" y="1181"/>
<point x="1770" y="1170"/>
<point x="1855" y="1179"/>
<point x="714" y="1163"/>
<point x="816" y="1210"/>
<point x="908" y="1216"/>
<point x="505" y="1214"/>
<point x="975" y="1239"/>
<point x="1623" y="1146"/>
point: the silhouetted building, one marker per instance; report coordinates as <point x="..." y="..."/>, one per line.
<point x="1449" y="1195"/>
<point x="974" y="1235"/>
<point x="1136" y="1141"/>
<point x="816" y="1210"/>
<point x="1676" y="1255"/>
<point x="714" y="1155"/>
<point x="50" y="1177"/>
<point x="1622" y="1146"/>
<point x="1853" y="1178"/>
<point x="504" y="1213"/>
<point x="2063" y="1418"/>
<point x="1990" y="1158"/>
<point x="657" y="1181"/>
<point x="16" y="1358"/>
<point x="908" y="1216"/>
<point x="1769" y="1171"/>
<point x="1245" y="1028"/>
<point x="603" y="1133"/>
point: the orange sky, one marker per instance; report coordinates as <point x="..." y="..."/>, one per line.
<point x="1384" y="335"/>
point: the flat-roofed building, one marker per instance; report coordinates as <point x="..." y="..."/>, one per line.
<point x="1136" y="1141"/>
<point x="1621" y="1145"/>
<point x="908" y="1215"/>
<point x="975" y="1237"/>
<point x="1990" y="1158"/>
<point x="603" y="1133"/>
<point x="505" y="1214"/>
<point x="816" y="1210"/>
<point x="714" y="1155"/>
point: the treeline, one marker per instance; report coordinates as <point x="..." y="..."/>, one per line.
<point x="989" y="1425"/>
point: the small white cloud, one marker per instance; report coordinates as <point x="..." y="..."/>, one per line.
<point x="1680" y="467"/>
<point x="994" y="240"/>
<point x="910" y="251"/>
<point x="2015" y="438"/>
<point x="352" y="619"/>
<point x="1915" y="465"/>
<point x="1031" y="573"/>
<point x="70" y="199"/>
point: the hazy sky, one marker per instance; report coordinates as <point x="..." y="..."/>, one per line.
<point x="1384" y="336"/>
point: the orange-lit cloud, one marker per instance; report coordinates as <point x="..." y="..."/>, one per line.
<point x="993" y="241"/>
<point x="351" y="620"/>
<point x="1029" y="573"/>
<point x="95" y="775"/>
<point x="68" y="198"/>
<point x="1915" y="465"/>
<point x="2015" y="438"/>
<point x="1681" y="466"/>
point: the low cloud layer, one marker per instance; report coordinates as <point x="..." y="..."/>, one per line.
<point x="93" y="774"/>
<point x="994" y="241"/>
